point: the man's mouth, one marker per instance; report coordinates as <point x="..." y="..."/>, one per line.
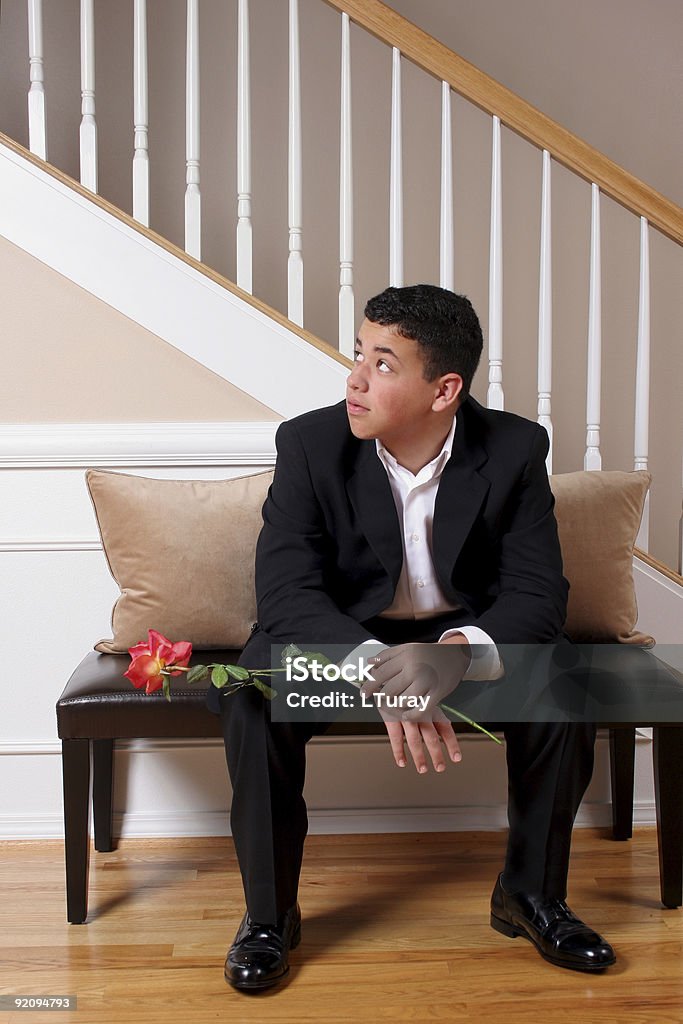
<point x="355" y="408"/>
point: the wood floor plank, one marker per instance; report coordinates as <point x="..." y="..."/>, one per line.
<point x="395" y="928"/>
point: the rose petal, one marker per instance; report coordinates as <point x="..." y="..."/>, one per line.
<point x="159" y="645"/>
<point x="143" y="670"/>
<point x="141" y="647"/>
<point x="180" y="653"/>
<point x="136" y="680"/>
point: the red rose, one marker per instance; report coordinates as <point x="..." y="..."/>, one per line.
<point x="153" y="655"/>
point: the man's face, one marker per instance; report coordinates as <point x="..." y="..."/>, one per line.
<point x="387" y="396"/>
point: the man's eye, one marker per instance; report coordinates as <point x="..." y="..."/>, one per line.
<point x="384" y="367"/>
<point x="357" y="355"/>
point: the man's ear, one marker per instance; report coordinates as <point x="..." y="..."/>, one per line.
<point x="450" y="388"/>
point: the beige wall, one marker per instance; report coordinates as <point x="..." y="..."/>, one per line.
<point x="71" y="358"/>
<point x="608" y="69"/>
<point x="611" y="71"/>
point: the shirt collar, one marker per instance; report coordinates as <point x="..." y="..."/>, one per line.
<point x="432" y="469"/>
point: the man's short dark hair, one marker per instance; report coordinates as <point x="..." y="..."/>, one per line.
<point x="443" y="324"/>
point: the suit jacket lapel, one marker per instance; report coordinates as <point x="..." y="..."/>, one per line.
<point x="461" y="493"/>
<point x="370" y="494"/>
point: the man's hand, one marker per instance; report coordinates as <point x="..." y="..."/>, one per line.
<point x="410" y="680"/>
<point x="423" y="738"/>
<point x="415" y="678"/>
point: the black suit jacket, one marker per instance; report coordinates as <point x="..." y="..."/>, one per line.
<point x="329" y="555"/>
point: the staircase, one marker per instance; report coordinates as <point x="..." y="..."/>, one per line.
<point x="338" y="148"/>
<point x="577" y="267"/>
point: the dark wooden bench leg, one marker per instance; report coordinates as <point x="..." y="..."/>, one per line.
<point x="102" y="793"/>
<point x="668" y="771"/>
<point x="622" y="754"/>
<point x="76" y="783"/>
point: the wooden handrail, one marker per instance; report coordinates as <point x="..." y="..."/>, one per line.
<point x="514" y="112"/>
<point x="654" y="563"/>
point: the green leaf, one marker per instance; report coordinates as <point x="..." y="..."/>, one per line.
<point x="237" y="672"/>
<point x="313" y="656"/>
<point x="197" y="673"/>
<point x="219" y="676"/>
<point x="167" y="688"/>
<point x="290" y="651"/>
<point x="267" y="691"/>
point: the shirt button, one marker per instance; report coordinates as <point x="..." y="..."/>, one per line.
<point x="420" y="582"/>
<point x="415" y="536"/>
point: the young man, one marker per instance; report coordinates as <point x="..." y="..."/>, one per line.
<point x="411" y="515"/>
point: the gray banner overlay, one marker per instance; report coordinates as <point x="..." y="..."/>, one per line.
<point x="35" y="1003"/>
<point x="564" y="682"/>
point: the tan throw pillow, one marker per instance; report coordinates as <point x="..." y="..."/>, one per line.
<point x="182" y="552"/>
<point x="598" y="516"/>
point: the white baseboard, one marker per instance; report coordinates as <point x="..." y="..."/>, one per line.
<point x="342" y="821"/>
<point x="28" y="826"/>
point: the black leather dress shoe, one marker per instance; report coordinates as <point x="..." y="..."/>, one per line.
<point x="558" y="935"/>
<point x="259" y="956"/>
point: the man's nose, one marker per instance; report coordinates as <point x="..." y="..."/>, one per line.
<point x="356" y="378"/>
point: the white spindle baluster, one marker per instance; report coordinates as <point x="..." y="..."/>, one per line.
<point x="140" y="115"/>
<point x="37" y="132"/>
<point x="545" y="313"/>
<point x="396" y="177"/>
<point x="592" y="458"/>
<point x="295" y="262"/>
<point x="244" y="234"/>
<point x="193" y="200"/>
<point x="641" y="439"/>
<point x="446" y="259"/>
<point x="346" y="304"/>
<point x="495" y="398"/>
<point x="88" y="129"/>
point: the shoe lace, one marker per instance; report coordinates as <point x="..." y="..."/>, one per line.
<point x="562" y="920"/>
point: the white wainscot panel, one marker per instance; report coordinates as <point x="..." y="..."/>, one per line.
<point x="31" y="796"/>
<point x="354" y="786"/>
<point x="179" y="788"/>
<point x="53" y="505"/>
<point x="54" y="606"/>
<point x="45" y="505"/>
<point x="172" y="788"/>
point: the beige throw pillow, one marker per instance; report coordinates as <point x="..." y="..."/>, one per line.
<point x="182" y="552"/>
<point x="598" y="516"/>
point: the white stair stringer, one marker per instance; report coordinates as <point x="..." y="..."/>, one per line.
<point x="126" y="269"/>
<point x="660" y="605"/>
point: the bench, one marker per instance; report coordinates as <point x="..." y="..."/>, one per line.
<point x="213" y="596"/>
<point x="98" y="706"/>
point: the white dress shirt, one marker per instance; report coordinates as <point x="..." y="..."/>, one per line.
<point x="418" y="593"/>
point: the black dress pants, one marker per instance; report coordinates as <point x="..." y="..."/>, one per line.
<point x="549" y="767"/>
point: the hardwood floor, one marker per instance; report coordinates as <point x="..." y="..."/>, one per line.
<point x="395" y="929"/>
